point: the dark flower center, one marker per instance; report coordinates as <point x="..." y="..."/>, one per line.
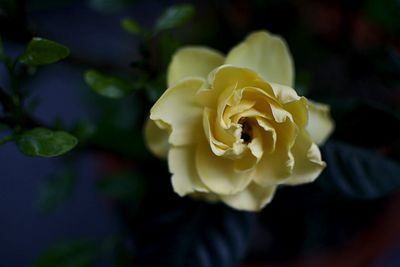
<point x="247" y="133"/>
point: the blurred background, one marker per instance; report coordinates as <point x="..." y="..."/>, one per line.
<point x="346" y="53"/>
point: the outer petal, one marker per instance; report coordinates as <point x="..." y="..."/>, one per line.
<point x="218" y="173"/>
<point x="253" y="198"/>
<point x="267" y="54"/>
<point x="177" y="107"/>
<point x="308" y="164"/>
<point x="320" y="124"/>
<point x="274" y="169"/>
<point x="156" y="139"/>
<point x="181" y="162"/>
<point x="194" y="61"/>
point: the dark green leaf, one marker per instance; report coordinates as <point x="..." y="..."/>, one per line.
<point x="123" y="185"/>
<point x="108" y="86"/>
<point x="303" y="83"/>
<point x="83" y="130"/>
<point x="174" y="16"/>
<point x="131" y="26"/>
<point x="8" y="7"/>
<point x="385" y="14"/>
<point x="155" y="88"/>
<point x="168" y="45"/>
<point x="6" y="138"/>
<point x="56" y="189"/>
<point x="41" y="51"/>
<point x="75" y="253"/>
<point x="181" y="232"/>
<point x="119" y="127"/>
<point x="3" y="127"/>
<point x="123" y="256"/>
<point x="357" y="172"/>
<point x="43" y="142"/>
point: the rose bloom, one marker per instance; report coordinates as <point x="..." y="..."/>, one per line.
<point x="232" y="127"/>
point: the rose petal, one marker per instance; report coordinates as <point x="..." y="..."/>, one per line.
<point x="193" y="61"/>
<point x="256" y="144"/>
<point x="225" y="78"/>
<point x="307" y="157"/>
<point x="177" y="107"/>
<point x="218" y="173"/>
<point x="320" y="124"/>
<point x="280" y="115"/>
<point x="246" y="162"/>
<point x="284" y="93"/>
<point x="253" y="198"/>
<point x="181" y="163"/>
<point x="157" y="139"/>
<point x="269" y="135"/>
<point x="299" y="111"/>
<point x="274" y="168"/>
<point x="265" y="53"/>
<point x="218" y="147"/>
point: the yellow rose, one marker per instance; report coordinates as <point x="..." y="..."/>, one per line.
<point x="232" y="127"/>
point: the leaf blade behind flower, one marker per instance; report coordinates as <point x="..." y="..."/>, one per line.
<point x="358" y="173"/>
<point x="107" y="85"/>
<point x="174" y="16"/>
<point x="183" y="232"/>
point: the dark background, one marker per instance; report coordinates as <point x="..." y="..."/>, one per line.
<point x="343" y="50"/>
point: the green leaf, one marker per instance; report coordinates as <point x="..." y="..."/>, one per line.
<point x="123" y="185"/>
<point x="174" y="16"/>
<point x="43" y="142"/>
<point x="358" y="173"/>
<point x="41" y="51"/>
<point x="130" y="25"/>
<point x="56" y="189"/>
<point x="75" y="253"/>
<point x="108" y="86"/>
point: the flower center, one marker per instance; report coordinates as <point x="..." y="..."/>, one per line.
<point x="247" y="132"/>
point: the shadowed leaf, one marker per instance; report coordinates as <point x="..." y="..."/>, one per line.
<point x="107" y="85"/>
<point x="41" y="51"/>
<point x="43" y="142"/>
<point x="357" y="172"/>
<point x="75" y="253"/>
<point x="174" y="16"/>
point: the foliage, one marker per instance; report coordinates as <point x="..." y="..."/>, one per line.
<point x="45" y="143"/>
<point x="357" y="172"/>
<point x="107" y="85"/>
<point x="74" y="253"/>
<point x="41" y="52"/>
<point x="56" y="189"/>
